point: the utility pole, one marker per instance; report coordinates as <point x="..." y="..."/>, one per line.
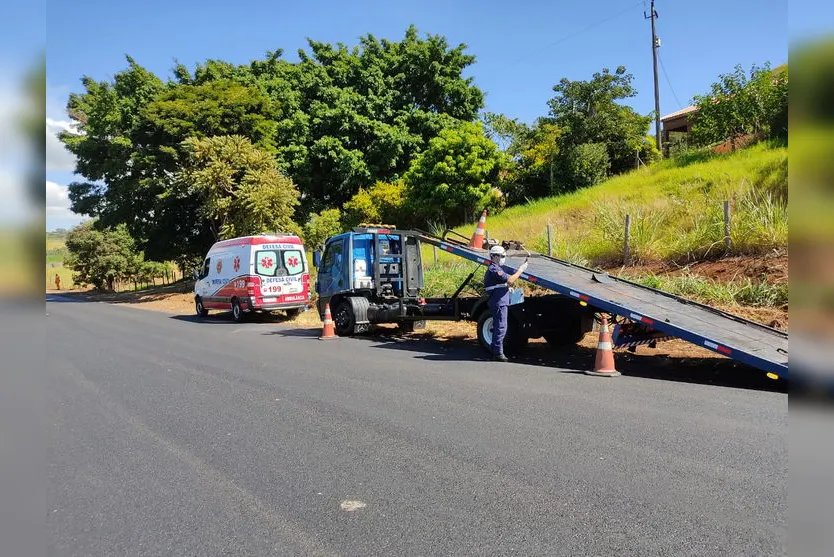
<point x="655" y="45"/>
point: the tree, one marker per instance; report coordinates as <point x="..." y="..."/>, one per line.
<point x="454" y="176"/>
<point x="382" y="203"/>
<point x="339" y="119"/>
<point x="240" y="188"/>
<point x="534" y="152"/>
<point x="354" y="116"/>
<point x="738" y="106"/>
<point x="586" y="164"/>
<point x="587" y="112"/>
<point x="322" y="226"/>
<point x="101" y="256"/>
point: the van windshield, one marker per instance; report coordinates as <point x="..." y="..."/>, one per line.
<point x="279" y="263"/>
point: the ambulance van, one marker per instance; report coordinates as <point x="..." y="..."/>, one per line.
<point x="263" y="273"/>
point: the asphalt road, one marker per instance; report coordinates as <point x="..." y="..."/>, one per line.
<point x="169" y="436"/>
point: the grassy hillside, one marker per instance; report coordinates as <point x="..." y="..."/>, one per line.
<point x="676" y="210"/>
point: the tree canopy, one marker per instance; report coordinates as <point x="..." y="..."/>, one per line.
<point x="340" y="119"/>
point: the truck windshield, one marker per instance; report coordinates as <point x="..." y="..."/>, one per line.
<point x="279" y="263"/>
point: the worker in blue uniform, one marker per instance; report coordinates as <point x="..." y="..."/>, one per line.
<point x="496" y="284"/>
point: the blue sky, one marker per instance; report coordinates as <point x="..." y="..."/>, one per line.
<point x="523" y="48"/>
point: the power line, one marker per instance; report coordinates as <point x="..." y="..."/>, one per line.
<point x="584" y="30"/>
<point x="668" y="82"/>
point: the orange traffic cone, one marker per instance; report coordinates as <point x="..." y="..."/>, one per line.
<point x="478" y="237"/>
<point x="329" y="330"/>
<point x="604" y="364"/>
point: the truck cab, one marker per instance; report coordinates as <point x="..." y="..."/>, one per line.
<point x="369" y="275"/>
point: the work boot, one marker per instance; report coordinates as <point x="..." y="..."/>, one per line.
<point x="499" y="358"/>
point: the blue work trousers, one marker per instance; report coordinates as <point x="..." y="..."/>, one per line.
<point x="499" y="327"/>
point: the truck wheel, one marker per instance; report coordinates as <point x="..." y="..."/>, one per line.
<point x="201" y="310"/>
<point x="514" y="343"/>
<point x="237" y="312"/>
<point x="343" y="319"/>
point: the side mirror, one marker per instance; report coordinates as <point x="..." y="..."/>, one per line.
<point x="196" y="274"/>
<point x="316" y="258"/>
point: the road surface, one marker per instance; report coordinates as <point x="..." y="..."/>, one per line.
<point x="170" y="436"/>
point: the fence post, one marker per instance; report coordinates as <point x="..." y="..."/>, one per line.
<point x="728" y="243"/>
<point x="549" y="240"/>
<point x="626" y="247"/>
<point x="434" y="249"/>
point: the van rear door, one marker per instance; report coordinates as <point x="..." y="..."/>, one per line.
<point x="282" y="269"/>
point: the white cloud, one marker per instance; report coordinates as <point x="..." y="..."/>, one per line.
<point x="58" y="202"/>
<point x="57" y="156"/>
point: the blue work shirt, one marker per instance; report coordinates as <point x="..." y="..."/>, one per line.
<point x="495" y="283"/>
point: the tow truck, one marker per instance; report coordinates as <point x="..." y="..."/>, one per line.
<point x="373" y="275"/>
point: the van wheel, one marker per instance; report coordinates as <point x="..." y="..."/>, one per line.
<point x="292" y="312"/>
<point x="201" y="310"/>
<point x="514" y="343"/>
<point x="237" y="312"/>
<point x="343" y="319"/>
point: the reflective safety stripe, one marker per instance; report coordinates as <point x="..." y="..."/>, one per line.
<point x="489" y="288"/>
<point x="603" y="346"/>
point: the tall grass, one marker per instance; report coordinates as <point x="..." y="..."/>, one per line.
<point x="746" y="292"/>
<point x="676" y="210"/>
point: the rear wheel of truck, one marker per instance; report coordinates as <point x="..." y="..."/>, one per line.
<point x="343" y="319"/>
<point x="514" y="343"/>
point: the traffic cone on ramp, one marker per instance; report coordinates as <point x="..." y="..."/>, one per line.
<point x="604" y="364"/>
<point x="479" y="236"/>
<point x="329" y="329"/>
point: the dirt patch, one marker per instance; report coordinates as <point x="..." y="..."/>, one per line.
<point x="772" y="268"/>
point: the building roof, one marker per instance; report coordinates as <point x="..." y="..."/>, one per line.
<point x="679" y="113"/>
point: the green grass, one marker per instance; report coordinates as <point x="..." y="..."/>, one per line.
<point x="747" y="292"/>
<point x="676" y="210"/>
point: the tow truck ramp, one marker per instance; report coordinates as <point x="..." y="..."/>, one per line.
<point x="659" y="313"/>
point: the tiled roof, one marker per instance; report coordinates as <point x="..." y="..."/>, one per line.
<point x="681" y="112"/>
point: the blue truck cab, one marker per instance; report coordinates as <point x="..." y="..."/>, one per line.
<point x="369" y="275"/>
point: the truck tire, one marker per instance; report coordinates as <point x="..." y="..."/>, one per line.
<point x="514" y="343"/>
<point x="344" y="321"/>
<point x="237" y="311"/>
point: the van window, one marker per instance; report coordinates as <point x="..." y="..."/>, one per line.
<point x="293" y="261"/>
<point x="205" y="272"/>
<point x="274" y="263"/>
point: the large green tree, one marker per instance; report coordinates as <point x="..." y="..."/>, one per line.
<point x="350" y="117"/>
<point x="588" y="112"/>
<point x="239" y="187"/>
<point x="534" y="152"/>
<point x="454" y="176"/>
<point x="338" y="120"/>
<point x="101" y="256"/>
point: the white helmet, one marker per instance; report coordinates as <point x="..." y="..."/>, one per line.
<point x="497" y="250"/>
